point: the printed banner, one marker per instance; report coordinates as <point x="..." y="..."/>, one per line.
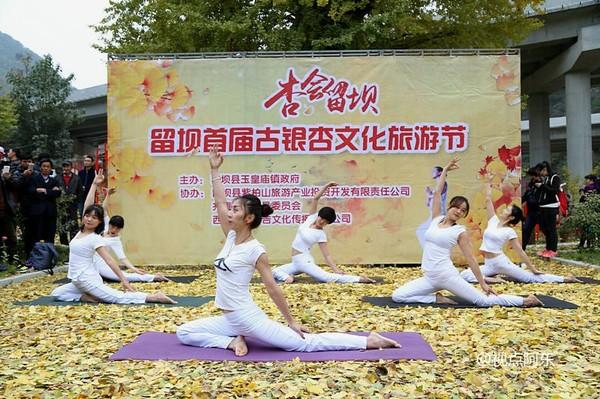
<point x="381" y="127"/>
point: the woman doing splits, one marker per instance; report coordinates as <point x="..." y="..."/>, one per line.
<point x="113" y="227"/>
<point x="241" y="317"/>
<point x="86" y="283"/>
<point x="498" y="233"/>
<point x="310" y="233"/>
<point x="439" y="272"/>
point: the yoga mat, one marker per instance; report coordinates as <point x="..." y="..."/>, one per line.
<point x="162" y="346"/>
<point x="176" y="279"/>
<point x="301" y="279"/>
<point x="185" y="301"/>
<point x="585" y="280"/>
<point x="386" y="301"/>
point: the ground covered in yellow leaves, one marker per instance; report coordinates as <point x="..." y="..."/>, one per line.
<point x="62" y="352"/>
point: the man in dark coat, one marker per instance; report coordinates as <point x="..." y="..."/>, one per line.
<point x="43" y="191"/>
<point x="86" y="179"/>
<point x="9" y="184"/>
<point x="69" y="184"/>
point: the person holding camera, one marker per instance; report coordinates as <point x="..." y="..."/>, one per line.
<point x="548" y="187"/>
<point x="9" y="183"/>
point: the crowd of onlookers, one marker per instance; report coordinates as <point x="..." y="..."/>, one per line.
<point x="546" y="202"/>
<point x="29" y="189"/>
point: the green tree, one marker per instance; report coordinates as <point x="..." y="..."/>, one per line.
<point x="153" y="26"/>
<point x="44" y="115"/>
<point x="8" y="119"/>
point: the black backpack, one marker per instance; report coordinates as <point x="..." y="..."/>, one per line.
<point x="43" y="257"/>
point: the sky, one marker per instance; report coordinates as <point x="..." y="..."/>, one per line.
<point x="59" y="28"/>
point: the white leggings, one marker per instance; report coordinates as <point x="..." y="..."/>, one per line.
<point x="304" y="263"/>
<point x="502" y="265"/>
<point x="422" y="290"/>
<point x="95" y="287"/>
<point x="106" y="272"/>
<point x="219" y="331"/>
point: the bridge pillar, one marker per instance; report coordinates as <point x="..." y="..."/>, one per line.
<point x="539" y="128"/>
<point x="579" y="123"/>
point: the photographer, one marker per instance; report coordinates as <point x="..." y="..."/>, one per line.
<point x="549" y="203"/>
<point x="9" y="184"/>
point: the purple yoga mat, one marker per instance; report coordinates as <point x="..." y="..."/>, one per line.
<point x="162" y="346"/>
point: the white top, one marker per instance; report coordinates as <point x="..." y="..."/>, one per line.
<point x="438" y="245"/>
<point x="116" y="247"/>
<point x="234" y="267"/>
<point x="307" y="236"/>
<point x="495" y="236"/>
<point x="106" y="220"/>
<point x="81" y="255"/>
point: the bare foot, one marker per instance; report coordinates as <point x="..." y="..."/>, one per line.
<point x="439" y="298"/>
<point x="238" y="346"/>
<point x="289" y="280"/>
<point x="159" y="277"/>
<point x="532" y="301"/>
<point x="572" y="279"/>
<point x="88" y="298"/>
<point x="159" y="297"/>
<point x="376" y="341"/>
<point x="367" y="280"/>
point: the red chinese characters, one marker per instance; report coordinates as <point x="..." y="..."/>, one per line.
<point x="340" y="95"/>
<point x="311" y="139"/>
<point x="190" y="187"/>
<point x="173" y="141"/>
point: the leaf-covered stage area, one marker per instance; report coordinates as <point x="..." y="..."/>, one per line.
<point x="62" y="352"/>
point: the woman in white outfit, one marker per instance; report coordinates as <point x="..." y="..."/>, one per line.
<point x="234" y="266"/>
<point x="310" y="233"/>
<point x="498" y="232"/>
<point x="439" y="272"/>
<point x="86" y="283"/>
<point x="111" y="234"/>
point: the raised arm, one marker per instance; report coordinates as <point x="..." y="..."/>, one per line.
<point x="276" y="294"/>
<point x="91" y="196"/>
<point x="436" y="208"/>
<point x="489" y="204"/>
<point x="464" y="242"/>
<point x="215" y="159"/>
<point x="315" y="201"/>
<point x="109" y="192"/>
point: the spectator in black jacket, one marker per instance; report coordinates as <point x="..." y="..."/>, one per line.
<point x="69" y="183"/>
<point x="549" y="205"/>
<point x="86" y="179"/>
<point x="43" y="190"/>
<point x="26" y="170"/>
<point x="9" y="183"/>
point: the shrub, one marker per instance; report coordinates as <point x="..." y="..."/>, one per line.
<point x="585" y="217"/>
